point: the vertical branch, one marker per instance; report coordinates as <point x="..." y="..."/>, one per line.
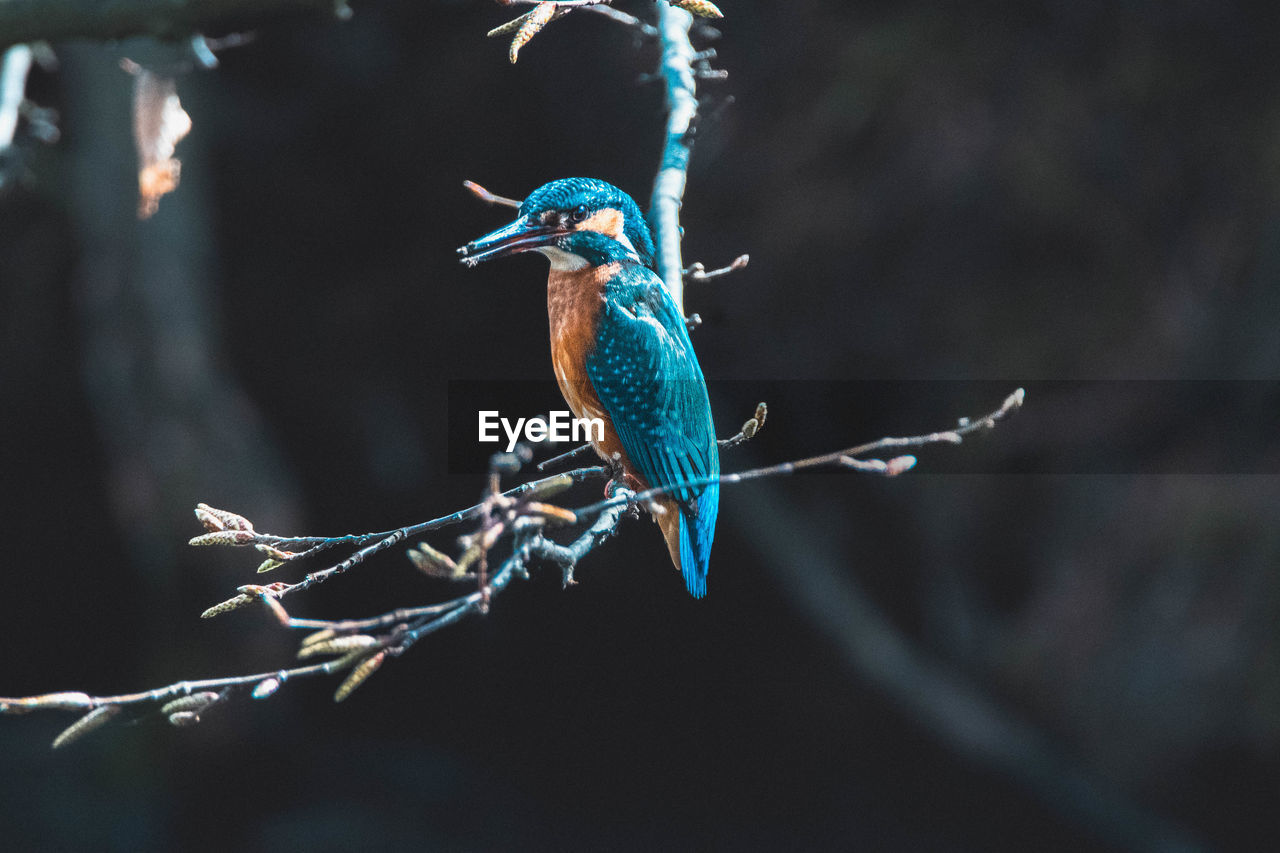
<point x="682" y="106"/>
<point x="13" y="87"/>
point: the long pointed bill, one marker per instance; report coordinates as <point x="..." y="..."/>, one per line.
<point x="519" y="236"/>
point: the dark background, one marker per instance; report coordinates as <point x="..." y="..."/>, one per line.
<point x="1059" y="636"/>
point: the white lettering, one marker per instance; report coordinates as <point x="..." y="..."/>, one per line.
<point x="560" y="426"/>
<point x="487" y="425"/>
<point x="592" y="429"/>
<point x="557" y="427"/>
<point x="513" y="435"/>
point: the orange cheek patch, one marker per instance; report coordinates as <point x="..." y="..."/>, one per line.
<point x="607" y="222"/>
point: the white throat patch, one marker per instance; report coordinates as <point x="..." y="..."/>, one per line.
<point x="562" y="261"/>
<point x="626" y="241"/>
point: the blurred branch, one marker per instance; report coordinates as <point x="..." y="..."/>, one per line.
<point x="13" y="87"/>
<point x="52" y="20"/>
<point x="511" y="524"/>
<point x="42" y="122"/>
<point x="648" y="30"/>
<point x="937" y="697"/>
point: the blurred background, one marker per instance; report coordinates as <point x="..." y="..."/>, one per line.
<point x="1061" y="635"/>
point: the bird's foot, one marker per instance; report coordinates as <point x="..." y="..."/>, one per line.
<point x="622" y="479"/>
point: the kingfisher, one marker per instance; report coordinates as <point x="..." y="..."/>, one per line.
<point x="622" y="353"/>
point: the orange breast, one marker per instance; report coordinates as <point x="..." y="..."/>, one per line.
<point x="574" y="302"/>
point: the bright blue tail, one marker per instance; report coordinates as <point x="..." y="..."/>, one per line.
<point x="696" y="535"/>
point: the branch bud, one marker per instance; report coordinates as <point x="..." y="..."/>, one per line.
<point x="899" y="465"/>
<point x="431" y="562"/>
<point x="318" y="636"/>
<point x="90" y="722"/>
<point x="265" y="688"/>
<point x="224" y="537"/>
<point x="530" y="26"/>
<point x="228" y="520"/>
<point x="274" y="553"/>
<point x="230" y="604"/>
<point x="359" y="675"/>
<point x="211" y="522"/>
<point x="701" y="8"/>
<point x="509" y="27"/>
<point x="552" y="486"/>
<point x="551" y="512"/>
<point x="339" y="646"/>
<point x="195" y="703"/>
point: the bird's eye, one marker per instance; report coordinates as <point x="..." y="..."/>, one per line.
<point x="579" y="213"/>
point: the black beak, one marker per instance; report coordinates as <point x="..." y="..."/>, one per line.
<point x="519" y="236"/>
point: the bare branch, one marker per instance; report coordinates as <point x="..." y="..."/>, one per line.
<point x="517" y="517"/>
<point x="847" y="458"/>
<point x="368" y="544"/>
<point x="567" y="456"/>
<point x="668" y="186"/>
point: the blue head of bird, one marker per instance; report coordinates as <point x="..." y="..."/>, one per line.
<point x="575" y="222"/>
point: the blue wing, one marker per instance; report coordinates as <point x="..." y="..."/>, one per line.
<point x="644" y="371"/>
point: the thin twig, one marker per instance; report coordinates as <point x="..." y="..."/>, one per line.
<point x="567" y="456"/>
<point x="415" y="623"/>
<point x="369" y="544"/>
<point x="697" y="272"/>
<point x="489" y="198"/>
<point x="841" y="458"/>
<point x="750" y="427"/>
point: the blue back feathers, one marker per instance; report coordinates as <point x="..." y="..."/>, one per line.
<point x="646" y="374"/>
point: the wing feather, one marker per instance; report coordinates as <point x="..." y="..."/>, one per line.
<point x="644" y="371"/>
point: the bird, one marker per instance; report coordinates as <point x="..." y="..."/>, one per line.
<point x="621" y="353"/>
